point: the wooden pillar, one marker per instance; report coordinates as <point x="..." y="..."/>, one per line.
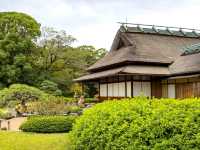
<point x="132" y="86"/>
<point x="99" y="89"/>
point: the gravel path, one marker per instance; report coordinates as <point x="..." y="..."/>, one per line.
<point x="14" y="123"/>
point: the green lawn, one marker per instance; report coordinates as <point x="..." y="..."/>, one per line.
<point x="31" y="141"/>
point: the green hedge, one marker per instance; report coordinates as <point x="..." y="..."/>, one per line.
<point x="5" y="114"/>
<point x="48" y="124"/>
<point x="139" y="124"/>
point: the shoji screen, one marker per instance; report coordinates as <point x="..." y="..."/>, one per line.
<point x="137" y="88"/>
<point x="142" y="88"/>
<point x="115" y="89"/>
<point x="171" y="90"/>
<point x="146" y="88"/>
<point x="128" y="89"/>
<point x="122" y="89"/>
<point x="110" y="89"/>
<point x="103" y="89"/>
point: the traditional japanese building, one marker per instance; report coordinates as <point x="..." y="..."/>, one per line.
<point x="155" y="61"/>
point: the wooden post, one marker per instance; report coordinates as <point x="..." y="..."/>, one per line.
<point x="132" y="86"/>
<point x="99" y="90"/>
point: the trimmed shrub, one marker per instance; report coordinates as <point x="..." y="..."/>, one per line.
<point x="50" y="87"/>
<point x="139" y="124"/>
<point x="21" y="93"/>
<point x="56" y="106"/>
<point x="5" y="114"/>
<point x="48" y="124"/>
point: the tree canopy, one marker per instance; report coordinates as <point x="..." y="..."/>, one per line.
<point x="19" y="23"/>
<point x="18" y="31"/>
<point x="43" y="58"/>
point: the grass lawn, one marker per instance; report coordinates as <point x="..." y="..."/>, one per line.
<point x="32" y="141"/>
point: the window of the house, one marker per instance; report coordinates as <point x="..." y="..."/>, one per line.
<point x="103" y="89"/>
<point x="110" y="89"/>
<point x="122" y="89"/>
<point x="171" y="91"/>
<point x="142" y="88"/>
<point x="128" y="89"/>
<point x="115" y="89"/>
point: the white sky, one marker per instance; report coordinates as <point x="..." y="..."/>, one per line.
<point x="93" y="22"/>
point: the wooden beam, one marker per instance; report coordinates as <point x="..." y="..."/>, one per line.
<point x="99" y="89"/>
<point x="132" y="86"/>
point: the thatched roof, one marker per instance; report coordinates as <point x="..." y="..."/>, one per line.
<point x="131" y="45"/>
<point x="139" y="47"/>
<point x="133" y="69"/>
<point x="186" y="64"/>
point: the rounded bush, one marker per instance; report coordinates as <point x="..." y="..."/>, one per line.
<point x="139" y="124"/>
<point x="48" y="124"/>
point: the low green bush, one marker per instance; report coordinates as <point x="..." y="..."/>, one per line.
<point x="90" y="100"/>
<point x="5" y="114"/>
<point x="48" y="124"/>
<point x="74" y="109"/>
<point x="52" y="107"/>
<point x="139" y="124"/>
<point x="21" y="93"/>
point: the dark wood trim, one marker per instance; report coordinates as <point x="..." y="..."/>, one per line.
<point x="132" y="86"/>
<point x="99" y="88"/>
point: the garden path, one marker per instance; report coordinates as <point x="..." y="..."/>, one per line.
<point x="14" y="123"/>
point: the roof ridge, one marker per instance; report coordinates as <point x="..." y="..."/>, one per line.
<point x="161" y="30"/>
<point x="156" y="26"/>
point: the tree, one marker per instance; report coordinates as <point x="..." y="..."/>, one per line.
<point x="59" y="62"/>
<point x="51" y="88"/>
<point x="17" y="32"/>
<point x="20" y="23"/>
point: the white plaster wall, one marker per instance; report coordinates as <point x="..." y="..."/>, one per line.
<point x="122" y="89"/>
<point x="103" y="90"/>
<point x="171" y="91"/>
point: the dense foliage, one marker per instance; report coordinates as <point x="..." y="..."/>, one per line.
<point x="42" y="58"/>
<point x="21" y="93"/>
<point x="5" y="114"/>
<point x="17" y="32"/>
<point x="57" y="61"/>
<point x="52" y="106"/>
<point x="139" y="124"/>
<point x="48" y="124"/>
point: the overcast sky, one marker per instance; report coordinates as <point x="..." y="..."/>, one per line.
<point x="93" y="22"/>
